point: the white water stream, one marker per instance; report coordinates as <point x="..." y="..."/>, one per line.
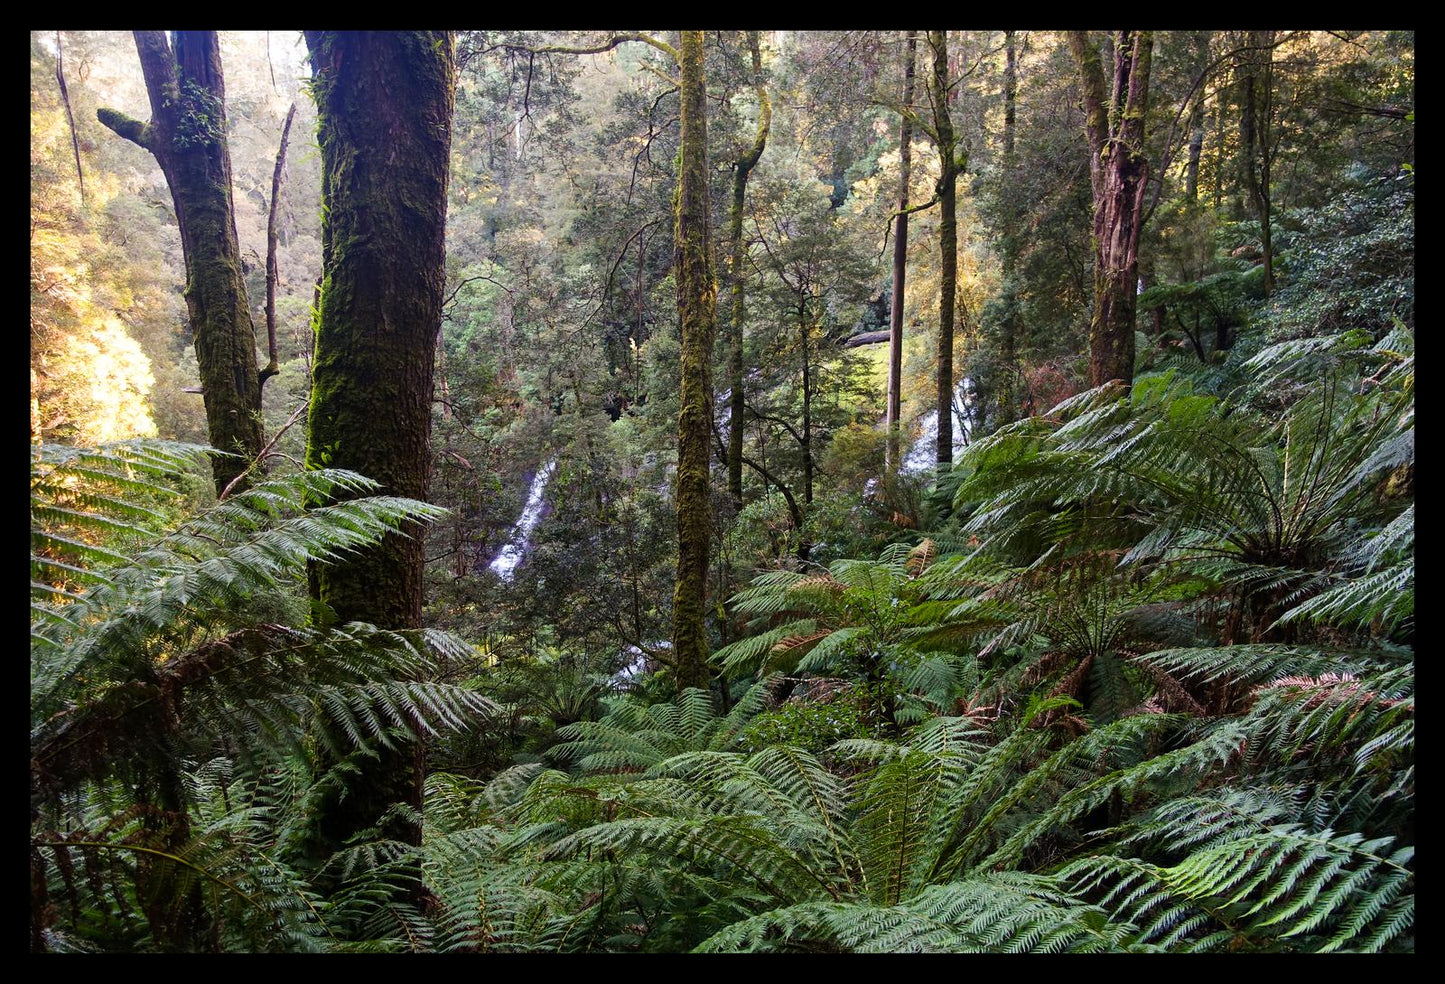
<point x="923" y="454"/>
<point x="519" y="540"/>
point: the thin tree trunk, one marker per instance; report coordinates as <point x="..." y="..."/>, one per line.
<point x="697" y="314"/>
<point x="69" y="116"/>
<point x="744" y="167"/>
<point x="950" y="165"/>
<point x="900" y="262"/>
<point x="1011" y="327"/>
<point x="1196" y="120"/>
<point x="381" y="97"/>
<point x="187" y="136"/>
<point x="807" y="433"/>
<point x="273" y="271"/>
<point x="1217" y="195"/>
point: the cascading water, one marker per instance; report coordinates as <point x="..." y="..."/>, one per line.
<point x="923" y="454"/>
<point x="519" y="541"/>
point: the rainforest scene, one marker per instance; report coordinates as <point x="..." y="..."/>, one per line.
<point x="872" y="491"/>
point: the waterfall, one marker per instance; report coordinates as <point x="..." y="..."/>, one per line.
<point x="923" y="453"/>
<point x="519" y="541"/>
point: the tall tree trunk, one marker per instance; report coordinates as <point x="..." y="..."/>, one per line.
<point x="950" y="166"/>
<point x="384" y="107"/>
<point x="69" y="116"/>
<point x="1256" y="102"/>
<point x="744" y="166"/>
<point x="804" y="330"/>
<point x="697" y="314"/>
<point x="1196" y="119"/>
<point x="187" y="136"/>
<point x="273" y="269"/>
<point x="1118" y="172"/>
<point x="1217" y="192"/>
<point x="900" y="261"/>
<point x="1011" y="328"/>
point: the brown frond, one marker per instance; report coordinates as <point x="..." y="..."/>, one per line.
<point x="820" y="581"/>
<point x="803" y="642"/>
<point x="921" y="556"/>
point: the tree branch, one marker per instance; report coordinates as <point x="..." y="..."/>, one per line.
<point x="133" y="130"/>
<point x="608" y="45"/>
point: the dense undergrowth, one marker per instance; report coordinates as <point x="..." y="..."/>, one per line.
<point x="1148" y="687"/>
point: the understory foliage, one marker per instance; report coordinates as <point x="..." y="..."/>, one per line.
<point x="1152" y="691"/>
<point x="180" y="704"/>
<point x="1188" y="725"/>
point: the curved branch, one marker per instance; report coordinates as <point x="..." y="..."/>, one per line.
<point x="608" y="45"/>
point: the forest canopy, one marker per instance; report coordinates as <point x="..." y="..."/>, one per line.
<point x="680" y="491"/>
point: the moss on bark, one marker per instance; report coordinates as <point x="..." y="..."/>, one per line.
<point x="187" y="136"/>
<point x="384" y="105"/>
<point x="697" y="312"/>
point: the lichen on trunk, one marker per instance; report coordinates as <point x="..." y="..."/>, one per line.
<point x="697" y="314"/>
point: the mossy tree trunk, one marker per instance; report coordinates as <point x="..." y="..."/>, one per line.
<point x="1011" y="329"/>
<point x="1118" y="173"/>
<point x="952" y="160"/>
<point x="742" y="168"/>
<point x="697" y="314"/>
<point x="187" y="136"/>
<point x="384" y="106"/>
<point x="900" y="262"/>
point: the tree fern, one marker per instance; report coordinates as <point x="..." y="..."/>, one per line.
<point x="170" y="655"/>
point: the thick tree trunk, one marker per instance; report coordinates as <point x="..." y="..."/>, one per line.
<point x="900" y="262"/>
<point x="744" y="167"/>
<point x="949" y="168"/>
<point x="1118" y="172"/>
<point x="697" y="314"/>
<point x="384" y="104"/>
<point x="187" y="135"/>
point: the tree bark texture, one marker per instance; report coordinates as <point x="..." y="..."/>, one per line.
<point x="384" y="106"/>
<point x="1118" y="172"/>
<point x="900" y="262"/>
<point x="744" y="167"/>
<point x="697" y="314"/>
<point x="950" y="165"/>
<point x="187" y="136"/>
